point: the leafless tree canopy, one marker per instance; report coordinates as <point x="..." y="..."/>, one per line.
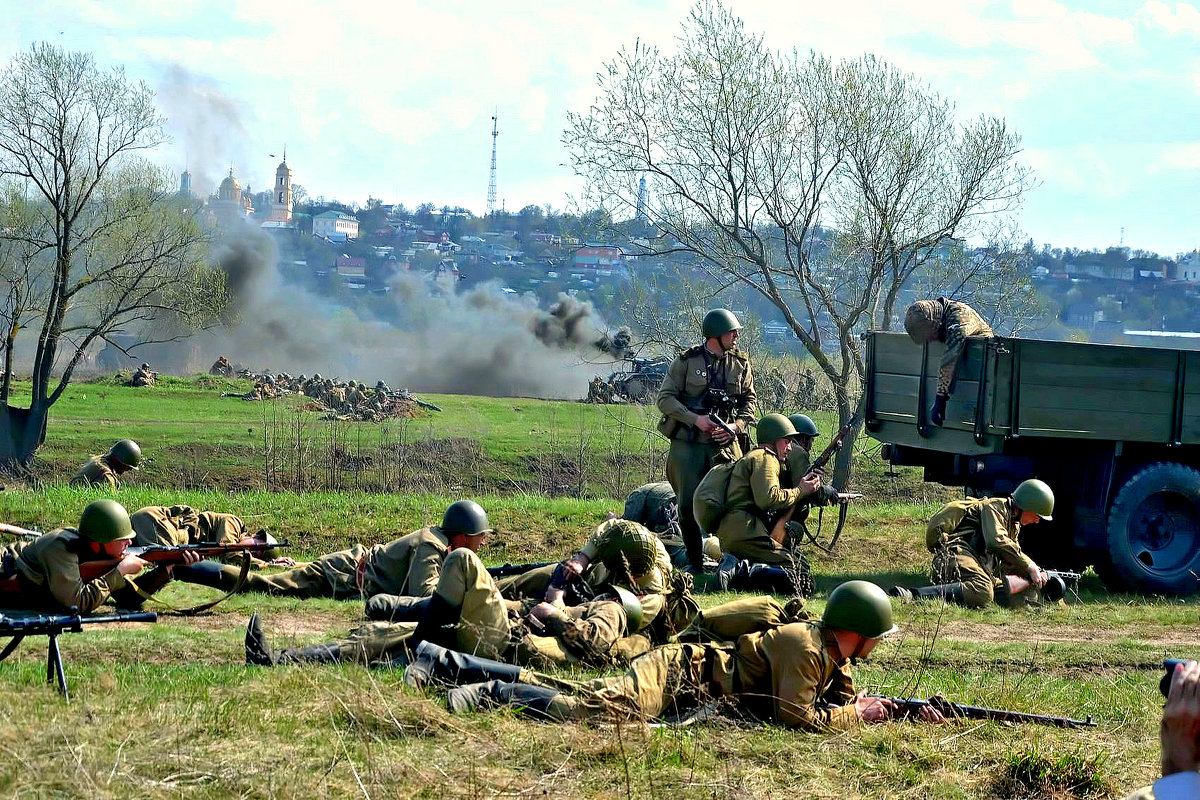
<point x="94" y="242"/>
<point x="822" y="185"/>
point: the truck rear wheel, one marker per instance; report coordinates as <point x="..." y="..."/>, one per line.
<point x="1154" y="530"/>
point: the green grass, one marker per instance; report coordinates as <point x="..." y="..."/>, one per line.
<point x="168" y="710"/>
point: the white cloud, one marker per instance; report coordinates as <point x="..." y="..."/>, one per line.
<point x="1183" y="18"/>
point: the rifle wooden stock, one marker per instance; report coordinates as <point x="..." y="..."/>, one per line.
<point x="834" y="445"/>
<point x="16" y="530"/>
<point x="911" y="707"/>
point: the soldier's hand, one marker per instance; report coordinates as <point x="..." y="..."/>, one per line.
<point x="189" y="557"/>
<point x="937" y="414"/>
<point x="131" y="565"/>
<point x="809" y="484"/>
<point x="1037" y="576"/>
<point x="1180" y="729"/>
<point x="706" y="425"/>
<point x="930" y="714"/>
<point x="282" y="561"/>
<point x="873" y="709"/>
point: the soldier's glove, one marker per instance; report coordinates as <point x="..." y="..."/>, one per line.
<point x="937" y="414"/>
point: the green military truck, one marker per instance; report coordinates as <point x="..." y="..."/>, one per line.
<point x="1114" y="430"/>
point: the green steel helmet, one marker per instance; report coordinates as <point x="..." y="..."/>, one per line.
<point x="719" y="322"/>
<point x="271" y="552"/>
<point x="804" y="425"/>
<point x="1034" y="495"/>
<point x="627" y="547"/>
<point x="126" y="452"/>
<point x="316" y="376"/>
<point x="352" y="385"/>
<point x="859" y="607"/>
<point x="105" y="521"/>
<point x="773" y="427"/>
<point x="465" y="517"/>
<point x="634" y="613"/>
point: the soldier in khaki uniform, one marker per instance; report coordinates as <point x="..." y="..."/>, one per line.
<point x="797" y="675"/>
<point x="409" y="566"/>
<point x="466" y="613"/>
<point x="976" y="557"/>
<point x="654" y="506"/>
<point x="950" y="322"/>
<point x="47" y="568"/>
<point x="758" y="504"/>
<point x="711" y="378"/>
<point x="598" y="563"/>
<point x="105" y="470"/>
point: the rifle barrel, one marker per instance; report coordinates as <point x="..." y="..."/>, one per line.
<point x="910" y="706"/>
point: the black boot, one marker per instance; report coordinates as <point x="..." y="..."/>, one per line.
<point x="725" y="571"/>
<point x="207" y="573"/>
<point x="950" y="592"/>
<point x="763" y="578"/>
<point x="533" y="700"/>
<point x="312" y="654"/>
<point x="438" y="664"/>
<point x="258" y="649"/>
<point x="438" y="623"/>
<point x="396" y="608"/>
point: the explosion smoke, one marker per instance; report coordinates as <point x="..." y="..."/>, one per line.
<point x="419" y="337"/>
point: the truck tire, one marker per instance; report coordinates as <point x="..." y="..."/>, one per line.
<point x="1154" y="530"/>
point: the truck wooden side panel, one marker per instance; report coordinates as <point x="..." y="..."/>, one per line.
<point x="1065" y="390"/>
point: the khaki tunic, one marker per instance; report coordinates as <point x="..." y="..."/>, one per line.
<point x="754" y="493"/>
<point x="785" y="675"/>
<point x="96" y="472"/>
<point x="48" y="567"/>
<point x="692" y="453"/>
<point x="410" y="566"/>
<point x="972" y="544"/>
<point x="959" y="321"/>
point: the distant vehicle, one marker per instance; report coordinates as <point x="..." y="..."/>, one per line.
<point x="639" y="384"/>
<point x="1114" y="430"/>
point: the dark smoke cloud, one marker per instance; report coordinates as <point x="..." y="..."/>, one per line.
<point x="425" y="336"/>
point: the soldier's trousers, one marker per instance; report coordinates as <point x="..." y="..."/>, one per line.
<point x="745" y="536"/>
<point x="334" y="575"/>
<point x="687" y="464"/>
<point x="673" y="679"/>
<point x="979" y="587"/>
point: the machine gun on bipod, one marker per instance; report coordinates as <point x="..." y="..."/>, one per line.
<point x="53" y="625"/>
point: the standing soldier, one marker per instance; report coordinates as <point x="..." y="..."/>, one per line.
<point x="975" y="553"/>
<point x="950" y="322"/>
<point x="105" y="470"/>
<point x="709" y="380"/>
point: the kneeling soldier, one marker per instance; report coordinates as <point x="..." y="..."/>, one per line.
<point x="976" y="557"/>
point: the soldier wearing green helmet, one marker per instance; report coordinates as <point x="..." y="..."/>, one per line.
<point x="105" y="470"/>
<point x="47" y="568"/>
<point x="709" y="380"/>
<point x="950" y="322"/>
<point x="798" y="461"/>
<point x="758" y="503"/>
<point x="976" y="557"/>
<point x="796" y="674"/>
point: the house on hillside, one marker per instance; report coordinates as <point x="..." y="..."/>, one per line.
<point x="330" y="223"/>
<point x="598" y="256"/>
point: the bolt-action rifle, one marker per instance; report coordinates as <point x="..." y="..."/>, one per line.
<point x="834" y="445"/>
<point x="52" y="625"/>
<point x="517" y="569"/>
<point x="911" y="707"/>
<point x="159" y="555"/>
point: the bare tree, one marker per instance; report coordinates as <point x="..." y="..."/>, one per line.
<point x="822" y="186"/>
<point x="99" y="242"/>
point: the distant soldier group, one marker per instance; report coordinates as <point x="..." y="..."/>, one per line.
<point x="343" y="400"/>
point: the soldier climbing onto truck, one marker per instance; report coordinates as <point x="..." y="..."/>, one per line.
<point x="949" y="322"/>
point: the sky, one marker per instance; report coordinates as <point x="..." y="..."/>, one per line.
<point x="394" y="99"/>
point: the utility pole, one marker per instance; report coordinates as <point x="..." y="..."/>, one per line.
<point x="491" y="200"/>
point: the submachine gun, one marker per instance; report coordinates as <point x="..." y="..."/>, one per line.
<point x="52" y="625"/>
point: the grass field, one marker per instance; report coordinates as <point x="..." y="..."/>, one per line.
<point x="169" y="711"/>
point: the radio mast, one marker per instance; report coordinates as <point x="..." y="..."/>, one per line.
<point x="491" y="200"/>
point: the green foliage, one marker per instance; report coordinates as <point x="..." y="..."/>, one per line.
<point x="1033" y="773"/>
